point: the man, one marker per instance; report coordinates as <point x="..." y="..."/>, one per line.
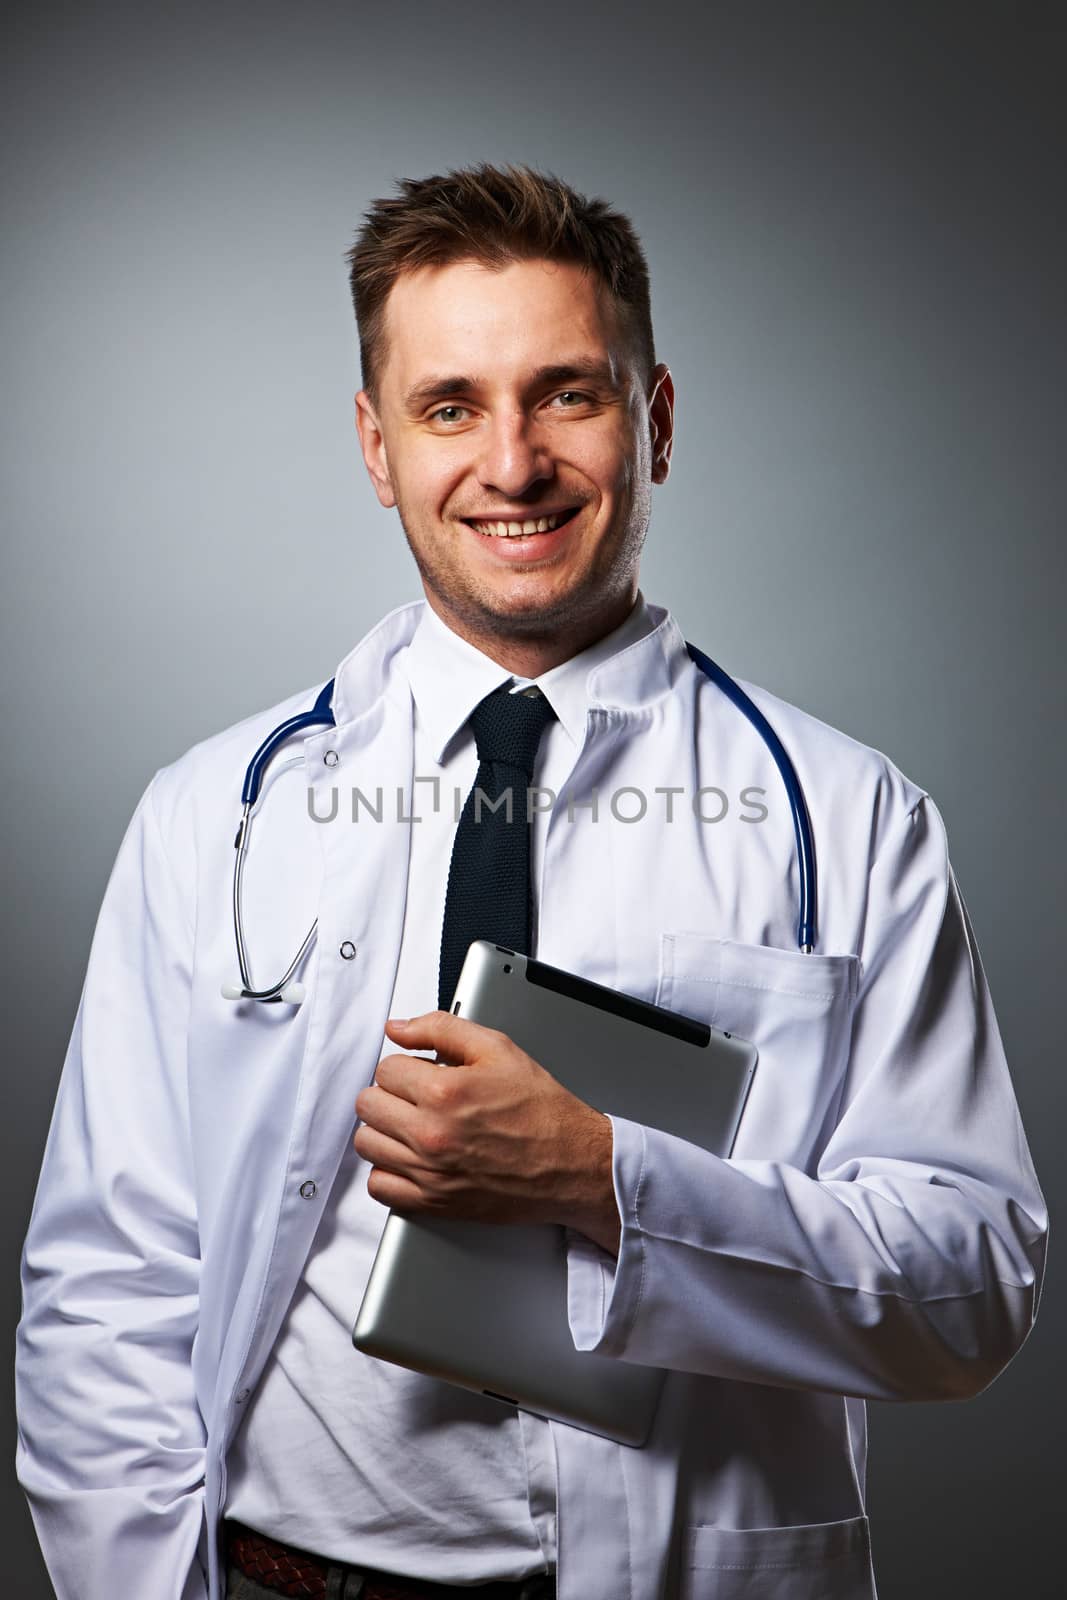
<point x="194" y="1418"/>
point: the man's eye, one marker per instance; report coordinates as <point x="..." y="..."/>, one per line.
<point x="570" y="398"/>
<point x="448" y="413"/>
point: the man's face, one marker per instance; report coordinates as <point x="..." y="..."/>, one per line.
<point x="511" y="400"/>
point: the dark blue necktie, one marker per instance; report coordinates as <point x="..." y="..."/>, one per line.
<point x="488" y="893"/>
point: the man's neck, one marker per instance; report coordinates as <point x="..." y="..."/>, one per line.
<point x="529" y="657"/>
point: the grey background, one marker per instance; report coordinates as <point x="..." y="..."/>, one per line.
<point x="854" y="218"/>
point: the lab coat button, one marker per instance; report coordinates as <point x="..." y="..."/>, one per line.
<point x="242" y="1396"/>
<point x="348" y="950"/>
<point x="331" y="758"/>
<point x="308" y="1189"/>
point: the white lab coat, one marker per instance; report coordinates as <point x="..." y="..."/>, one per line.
<point x="878" y="1231"/>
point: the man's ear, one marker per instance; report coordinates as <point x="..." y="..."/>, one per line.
<point x="661" y="421"/>
<point x="372" y="443"/>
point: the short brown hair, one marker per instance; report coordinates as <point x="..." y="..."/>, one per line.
<point x="494" y="215"/>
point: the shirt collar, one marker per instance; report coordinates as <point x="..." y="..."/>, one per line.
<point x="449" y="676"/>
<point x="627" y="671"/>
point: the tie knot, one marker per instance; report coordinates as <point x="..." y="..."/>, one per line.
<point x="508" y="727"/>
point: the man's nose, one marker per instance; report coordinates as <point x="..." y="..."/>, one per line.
<point x="515" y="456"/>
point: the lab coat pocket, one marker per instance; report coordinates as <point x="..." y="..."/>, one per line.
<point x="815" y="1561"/>
<point x="796" y="1010"/>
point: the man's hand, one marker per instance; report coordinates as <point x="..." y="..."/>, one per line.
<point x="484" y="1133"/>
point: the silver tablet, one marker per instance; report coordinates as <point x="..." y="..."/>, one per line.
<point x="484" y="1305"/>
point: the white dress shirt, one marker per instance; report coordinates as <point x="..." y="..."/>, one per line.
<point x="356" y="1458"/>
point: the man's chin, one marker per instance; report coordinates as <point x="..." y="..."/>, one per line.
<point x="519" y="616"/>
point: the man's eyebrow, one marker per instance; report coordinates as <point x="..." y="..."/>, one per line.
<point x="585" y="369"/>
<point x="601" y="374"/>
<point x="425" y="393"/>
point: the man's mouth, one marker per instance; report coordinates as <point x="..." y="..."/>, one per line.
<point x="516" y="528"/>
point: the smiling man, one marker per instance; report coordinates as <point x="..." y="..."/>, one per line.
<point x="523" y="485"/>
<point x="194" y="1421"/>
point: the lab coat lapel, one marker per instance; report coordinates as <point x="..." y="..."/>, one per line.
<point x="364" y="893"/>
<point x="361" y="908"/>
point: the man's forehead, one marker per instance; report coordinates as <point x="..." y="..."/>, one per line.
<point x="539" y="311"/>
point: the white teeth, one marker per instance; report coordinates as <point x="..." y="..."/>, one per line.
<point x="515" y="530"/>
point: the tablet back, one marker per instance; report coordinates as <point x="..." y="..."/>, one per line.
<point x="484" y="1305"/>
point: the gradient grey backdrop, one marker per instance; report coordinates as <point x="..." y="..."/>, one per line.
<point x="855" y="225"/>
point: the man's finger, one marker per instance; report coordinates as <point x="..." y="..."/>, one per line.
<point x="399" y="1193"/>
<point x="378" y="1149"/>
<point x="454" y="1037"/>
<point x="392" y="1114"/>
<point x="407" y="1077"/>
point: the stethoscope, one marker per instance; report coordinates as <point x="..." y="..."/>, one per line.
<point x="321" y="716"/>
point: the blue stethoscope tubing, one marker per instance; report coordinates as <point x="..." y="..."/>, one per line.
<point x="321" y="716"/>
<point x="797" y="804"/>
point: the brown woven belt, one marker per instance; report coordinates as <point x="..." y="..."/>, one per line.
<point x="299" y="1573"/>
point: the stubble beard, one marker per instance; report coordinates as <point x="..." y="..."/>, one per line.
<point x="477" y="608"/>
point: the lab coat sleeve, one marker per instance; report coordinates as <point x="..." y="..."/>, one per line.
<point x="111" y="1442"/>
<point x="905" y="1262"/>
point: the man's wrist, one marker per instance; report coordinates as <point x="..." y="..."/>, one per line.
<point x="598" y="1214"/>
